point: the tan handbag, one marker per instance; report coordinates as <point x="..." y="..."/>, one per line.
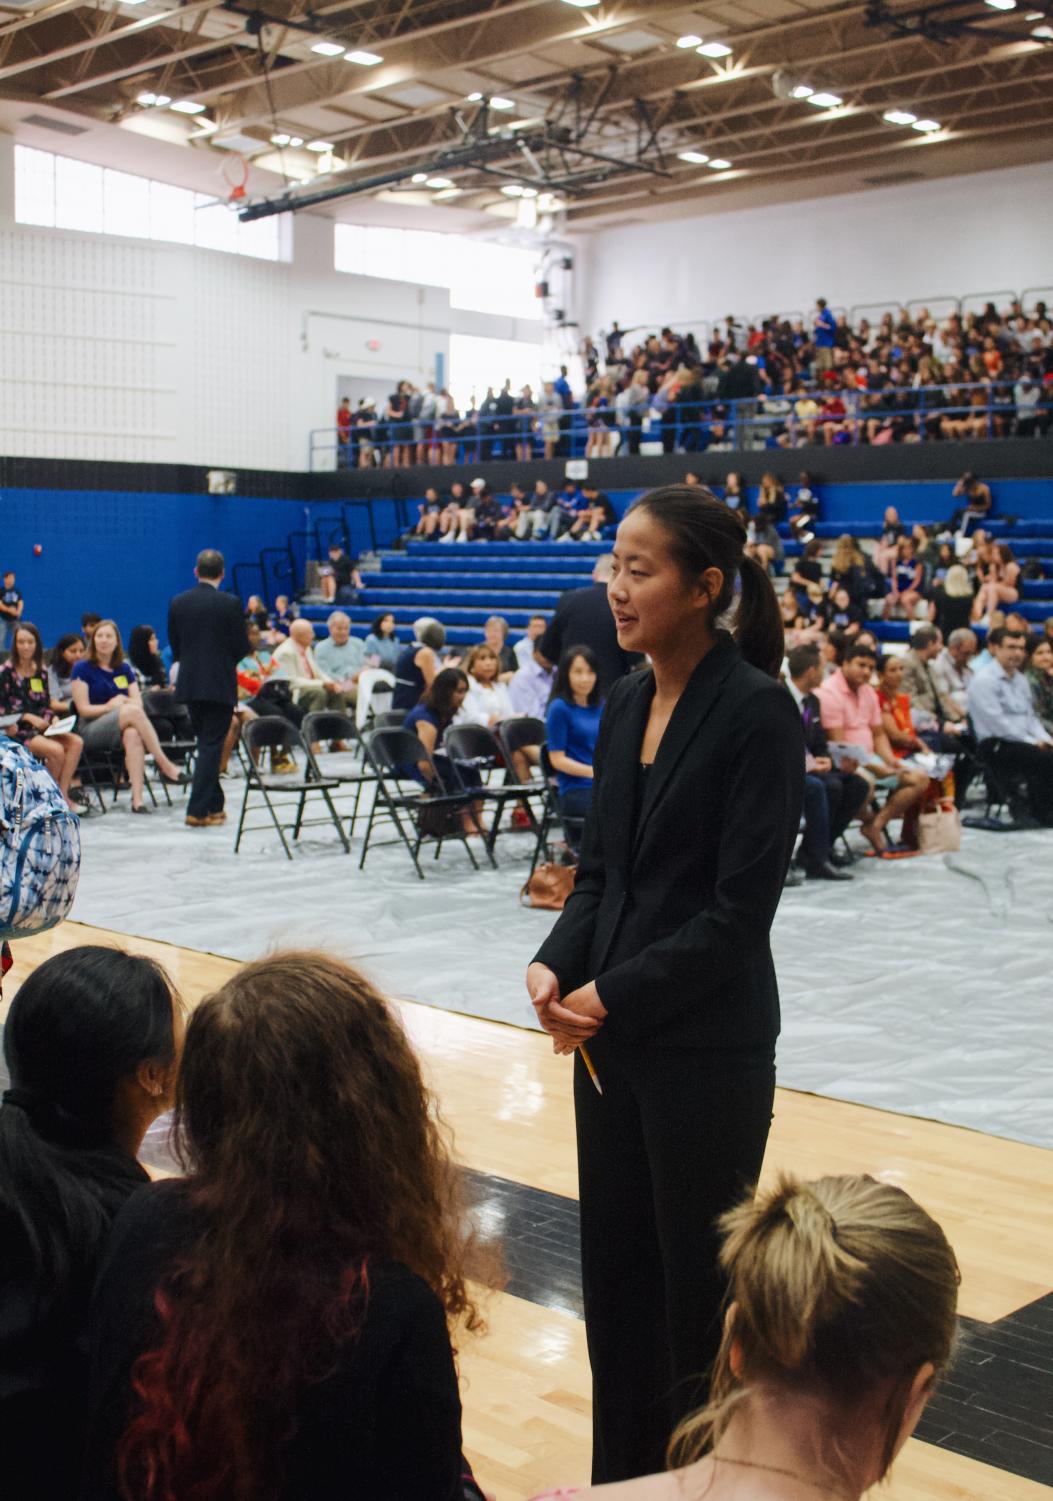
<point x="549" y="886"/>
<point x="939" y="829"/>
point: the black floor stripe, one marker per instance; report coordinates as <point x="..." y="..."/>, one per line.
<point x="996" y="1405"/>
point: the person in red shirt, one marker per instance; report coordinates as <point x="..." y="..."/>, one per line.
<point x="343" y="434"/>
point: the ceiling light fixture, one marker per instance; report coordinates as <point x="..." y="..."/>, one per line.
<point x="281" y="139"/>
<point x="446" y="193"/>
<point x="689" y="41"/>
<point x="419" y="177"/>
<point x="475" y="98"/>
<point x="498" y="102"/>
<point x="146" y="99"/>
<point x="440" y="182"/>
<point x="296" y="140"/>
<point x="324" y="146"/>
<point x="1002" y="4"/>
<point x="188" y="107"/>
<point x="899" y="117"/>
<point x="698" y="157"/>
<point x="512" y="189"/>
<point x="801" y="91"/>
<point x="529" y="192"/>
<point x="327" y="49"/>
<point x="825" y="101"/>
<point x="363" y="59"/>
<point x="714" y="49"/>
<point x="1043" y="33"/>
<point x="581" y="4"/>
<point x="132" y="2"/>
<point x="718" y="164"/>
<point x="927" y="127"/>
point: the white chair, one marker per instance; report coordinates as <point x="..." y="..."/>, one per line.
<point x="374" y="682"/>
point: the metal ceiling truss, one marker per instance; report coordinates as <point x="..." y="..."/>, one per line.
<point x="947" y="20"/>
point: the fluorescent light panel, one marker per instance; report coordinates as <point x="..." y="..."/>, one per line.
<point x="363" y="59"/>
<point x="320" y="146"/>
<point x="899" y="117"/>
<point x="327" y="49"/>
<point x="718" y="164"/>
<point x="498" y="102"/>
<point x="714" y="49"/>
<point x="698" y="157"/>
<point x="440" y="182"/>
<point x="825" y="100"/>
<point x="1002" y="4"/>
<point x="801" y="91"/>
<point x="927" y="127"/>
<point x="188" y="107"/>
<point x="689" y="41"/>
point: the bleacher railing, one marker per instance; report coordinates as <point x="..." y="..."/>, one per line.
<point x="914" y="414"/>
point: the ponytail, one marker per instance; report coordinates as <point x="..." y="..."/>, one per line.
<point x="842" y="1286"/>
<point x="704" y="533"/>
<point x="758" y="627"/>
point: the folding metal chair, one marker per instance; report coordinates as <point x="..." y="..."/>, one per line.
<point x="395" y="755"/>
<point x="475" y="747"/>
<point x="522" y="732"/>
<point x="338" y="766"/>
<point x="390" y="719"/>
<point x="174" y="729"/>
<point x="279" y="734"/>
<point x="570" y="828"/>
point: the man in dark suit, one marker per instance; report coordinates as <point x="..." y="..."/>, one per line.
<point x="831" y="798"/>
<point x="206" y="631"/>
<point x="583" y="618"/>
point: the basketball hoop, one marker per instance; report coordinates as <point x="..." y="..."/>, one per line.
<point x="235" y="172"/>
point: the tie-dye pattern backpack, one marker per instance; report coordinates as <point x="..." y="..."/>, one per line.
<point x="39" y="846"/>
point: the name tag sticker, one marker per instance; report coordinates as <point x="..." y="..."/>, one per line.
<point x="121" y="681"/>
<point x="36" y="685"/>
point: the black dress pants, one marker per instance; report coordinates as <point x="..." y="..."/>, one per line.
<point x="1034" y="766"/>
<point x="211" y="723"/>
<point x="676" y="1138"/>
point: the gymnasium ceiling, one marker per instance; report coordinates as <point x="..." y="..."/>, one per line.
<point x="74" y="78"/>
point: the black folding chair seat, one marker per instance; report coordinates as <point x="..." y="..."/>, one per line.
<point x="433" y="816"/>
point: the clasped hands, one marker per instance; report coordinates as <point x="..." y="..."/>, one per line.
<point x="569" y="1020"/>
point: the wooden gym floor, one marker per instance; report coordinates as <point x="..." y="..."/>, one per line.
<point x="988" y="1436"/>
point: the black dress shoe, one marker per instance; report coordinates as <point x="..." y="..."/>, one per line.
<point x="828" y="872"/>
<point x="840" y="861"/>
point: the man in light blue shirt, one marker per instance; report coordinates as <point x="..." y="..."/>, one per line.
<point x="1003" y="713"/>
<point x="531" y="687"/>
<point x="341" y="656"/>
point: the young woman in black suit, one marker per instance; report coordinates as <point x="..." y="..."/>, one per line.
<point x="661" y="964"/>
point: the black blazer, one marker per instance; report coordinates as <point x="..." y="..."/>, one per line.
<point x="811" y="719"/>
<point x="583" y="618"/>
<point x="206" y="631"/>
<point x="673" y="923"/>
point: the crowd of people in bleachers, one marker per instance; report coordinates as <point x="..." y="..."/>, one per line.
<point x="906" y="377"/>
<point x="280" y="1321"/>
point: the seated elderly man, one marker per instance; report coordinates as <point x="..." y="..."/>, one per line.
<point x="312" y="688"/>
<point x="952" y="672"/>
<point x="851" y="715"/>
<point x="1006" y="725"/>
<point x="341" y="656"/>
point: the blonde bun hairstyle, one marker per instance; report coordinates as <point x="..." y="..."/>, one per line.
<point x="843" y="1286"/>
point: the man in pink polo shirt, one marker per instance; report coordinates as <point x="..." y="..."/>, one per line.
<point x="851" y="715"/>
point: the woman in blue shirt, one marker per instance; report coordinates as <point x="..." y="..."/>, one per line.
<point x="573" y="723"/>
<point x="429" y="721"/>
<point x="110" y="710"/>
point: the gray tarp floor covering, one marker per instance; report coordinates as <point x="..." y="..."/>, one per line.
<point x="923" y="987"/>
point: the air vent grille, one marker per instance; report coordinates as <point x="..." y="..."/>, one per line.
<point x="890" y="179"/>
<point x="60" y="127"/>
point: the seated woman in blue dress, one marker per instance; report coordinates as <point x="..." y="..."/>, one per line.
<point x="573" y="723"/>
<point x="429" y="721"/>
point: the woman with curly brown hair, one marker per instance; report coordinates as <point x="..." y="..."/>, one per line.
<point x="275" y="1324"/>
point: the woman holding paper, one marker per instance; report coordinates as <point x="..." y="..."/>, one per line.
<point x="660" y="963"/>
<point x="25" y="702"/>
<point x="111" y="713"/>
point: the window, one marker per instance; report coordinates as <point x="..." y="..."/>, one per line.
<point x="481" y="277"/>
<point x="476" y="363"/>
<point x="63" y="193"/>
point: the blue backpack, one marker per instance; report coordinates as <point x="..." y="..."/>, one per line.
<point x="39" y="846"/>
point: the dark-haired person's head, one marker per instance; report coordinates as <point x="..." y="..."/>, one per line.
<point x="578" y="677"/>
<point x="67" y="650"/>
<point x="927" y="642"/>
<point x="315" y="1163"/>
<point x="842" y="1316"/>
<point x="1008" y="646"/>
<point x="88" y="621"/>
<point x="91" y="1045"/>
<point x="142" y="651"/>
<point x="27" y="648"/>
<point x="383" y="625"/>
<point x="805" y="664"/>
<point x="858" y="663"/>
<point x="445" y="695"/>
<point x="210" y="565"/>
<point x="678" y="555"/>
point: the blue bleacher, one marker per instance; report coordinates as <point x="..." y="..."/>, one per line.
<point x="462" y="584"/>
